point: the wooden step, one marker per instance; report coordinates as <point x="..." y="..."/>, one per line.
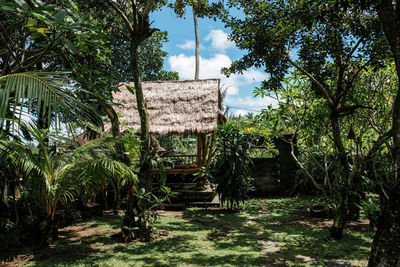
<point x="202" y="205"/>
<point x="175" y="206"/>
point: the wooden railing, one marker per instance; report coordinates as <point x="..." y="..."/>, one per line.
<point x="179" y="161"/>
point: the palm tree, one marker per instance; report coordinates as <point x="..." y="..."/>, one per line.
<point x="55" y="178"/>
<point x="50" y="97"/>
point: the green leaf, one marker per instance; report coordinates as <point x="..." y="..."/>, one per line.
<point x="22" y="4"/>
<point x="60" y="16"/>
<point x="130" y="89"/>
<point x="7" y="8"/>
<point x="70" y="46"/>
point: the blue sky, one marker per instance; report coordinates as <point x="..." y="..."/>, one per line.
<point x="216" y="51"/>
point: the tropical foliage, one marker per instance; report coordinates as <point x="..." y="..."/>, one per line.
<point x="333" y="71"/>
<point x="44" y="94"/>
<point x="230" y="169"/>
<point x="55" y="179"/>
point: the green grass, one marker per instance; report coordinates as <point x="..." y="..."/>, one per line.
<point x="211" y="238"/>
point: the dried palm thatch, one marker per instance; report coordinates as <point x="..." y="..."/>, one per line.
<point x="174" y="107"/>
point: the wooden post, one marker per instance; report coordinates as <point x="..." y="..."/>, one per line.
<point x="203" y="150"/>
<point x="199" y="146"/>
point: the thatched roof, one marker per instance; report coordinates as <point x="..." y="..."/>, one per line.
<point x="174" y="107"/>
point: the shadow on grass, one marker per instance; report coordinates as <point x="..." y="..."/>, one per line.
<point x="312" y="242"/>
<point x="308" y="240"/>
<point x="209" y="238"/>
<point x="113" y="221"/>
<point x="185" y="247"/>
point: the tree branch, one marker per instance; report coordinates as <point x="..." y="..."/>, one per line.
<point x="36" y="57"/>
<point x="319" y="85"/>
<point x="122" y="14"/>
<point x="349" y="84"/>
<point x="354" y="49"/>
<point x="149" y="7"/>
<point x="339" y="85"/>
<point x="345" y="110"/>
<point x="135" y="13"/>
<point x="6" y="44"/>
<point x="358" y="72"/>
<point x="305" y="171"/>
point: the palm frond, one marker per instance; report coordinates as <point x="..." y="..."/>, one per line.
<point x="51" y="93"/>
<point x="22" y="156"/>
<point x="99" y="143"/>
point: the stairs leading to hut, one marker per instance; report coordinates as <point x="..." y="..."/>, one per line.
<point x="192" y="195"/>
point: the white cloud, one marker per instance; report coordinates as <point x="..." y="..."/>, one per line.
<point x="241" y="112"/>
<point x="253" y="75"/>
<point x="230" y="89"/>
<point x="219" y="40"/>
<point x="253" y="103"/>
<point x="211" y="68"/>
<point x="188" y="45"/>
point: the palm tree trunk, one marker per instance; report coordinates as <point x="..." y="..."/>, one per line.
<point x="117" y="200"/>
<point x="5" y="207"/>
<point x="197" y="53"/>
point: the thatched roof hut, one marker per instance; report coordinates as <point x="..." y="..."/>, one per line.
<point x="174" y="107"/>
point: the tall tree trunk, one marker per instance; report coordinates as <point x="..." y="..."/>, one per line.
<point x="385" y="250"/>
<point x="345" y="206"/>
<point x="117" y="200"/>
<point x="139" y="31"/>
<point x="201" y="138"/>
<point x="145" y="174"/>
<point x="197" y="53"/>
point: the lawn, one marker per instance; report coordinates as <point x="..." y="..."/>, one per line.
<point x="267" y="232"/>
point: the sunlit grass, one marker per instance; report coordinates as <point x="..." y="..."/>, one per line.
<point x="212" y="238"/>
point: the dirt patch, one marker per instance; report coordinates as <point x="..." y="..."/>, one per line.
<point x="154" y="235"/>
<point x="360" y="226"/>
<point x="218" y="236"/>
<point x="79" y="241"/>
<point x="19" y="260"/>
<point x="78" y="232"/>
<point x="170" y="213"/>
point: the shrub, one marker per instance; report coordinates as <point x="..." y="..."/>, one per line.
<point x="370" y="210"/>
<point x="229" y="169"/>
